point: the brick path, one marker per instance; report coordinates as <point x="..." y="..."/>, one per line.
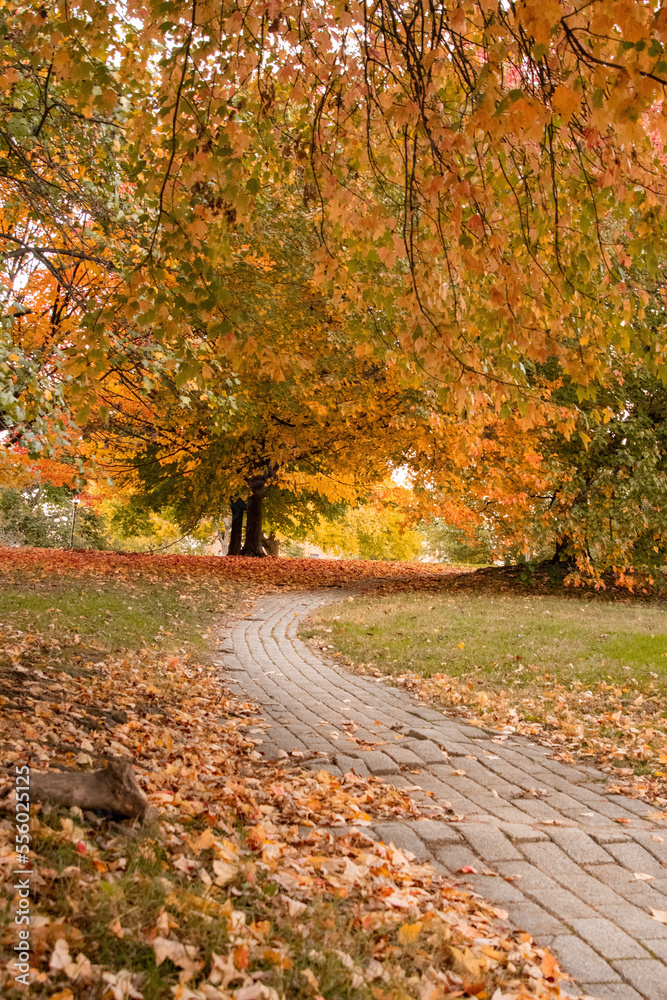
<point x="564" y="868"/>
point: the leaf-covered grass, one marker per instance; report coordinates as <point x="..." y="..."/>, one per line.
<point x="589" y="672"/>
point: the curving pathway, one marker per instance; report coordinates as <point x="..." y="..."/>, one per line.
<point x="548" y="844"/>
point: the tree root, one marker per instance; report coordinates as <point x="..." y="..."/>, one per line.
<point x="112" y="789"/>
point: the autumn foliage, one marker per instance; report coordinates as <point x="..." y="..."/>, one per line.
<point x="292" y="573"/>
<point x="191" y="202"/>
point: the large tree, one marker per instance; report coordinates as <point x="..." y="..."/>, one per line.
<point x="291" y="402"/>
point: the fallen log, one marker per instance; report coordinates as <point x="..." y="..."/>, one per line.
<point x="112" y="789"/>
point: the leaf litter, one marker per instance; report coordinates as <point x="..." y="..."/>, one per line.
<point x="253" y="880"/>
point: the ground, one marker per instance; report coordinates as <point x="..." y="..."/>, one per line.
<point x="246" y="863"/>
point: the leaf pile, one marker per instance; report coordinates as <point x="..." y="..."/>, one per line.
<point x="236" y="889"/>
<point x="290" y="573"/>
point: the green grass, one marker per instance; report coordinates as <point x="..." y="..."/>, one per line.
<point x="502" y="641"/>
<point x="116" y="614"/>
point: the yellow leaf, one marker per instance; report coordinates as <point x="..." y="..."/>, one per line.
<point x="466" y="959"/>
<point x="311" y="978"/>
<point x="202" y="842"/>
<point x="224" y="872"/>
<point x="565" y="102"/>
<point x="409" y="933"/>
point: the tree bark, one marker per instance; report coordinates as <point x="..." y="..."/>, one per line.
<point x="236" y="532"/>
<point x="253" y="528"/>
<point x="564" y="554"/>
<point x="271" y="544"/>
<point x="112" y="789"/>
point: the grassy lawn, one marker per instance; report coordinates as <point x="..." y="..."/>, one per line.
<point x="86" y="612"/>
<point x="589" y="674"/>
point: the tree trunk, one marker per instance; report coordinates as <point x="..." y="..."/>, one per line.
<point x="253" y="528"/>
<point x="564" y="553"/>
<point x="236" y="532"/>
<point x="223" y="534"/>
<point x="271" y="544"/>
<point x="112" y="789"/>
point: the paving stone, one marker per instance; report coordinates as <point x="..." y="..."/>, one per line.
<point x="588" y="819"/>
<point x="561" y="903"/>
<point x="578" y="845"/>
<point x="427" y="751"/>
<point x="657" y="847"/>
<point x="461" y="806"/>
<point x="520" y="833"/>
<point x="497" y="890"/>
<point x="648" y="976"/>
<point x="658" y="948"/>
<point x="610" y="991"/>
<point x="427" y="714"/>
<point x="324" y="765"/>
<point x="632" y="805"/>
<point x="608" y="939"/>
<point x="347" y="764"/>
<point x="610" y="836"/>
<point x="560" y="801"/>
<point x="403" y="755"/>
<point x="636" y="858"/>
<point x="530" y="917"/>
<point x="488" y="842"/>
<point x="581" y="961"/>
<point x="378" y="763"/>
<point x="537" y="809"/>
<point x="639" y="924"/>
<point x="635" y="890"/>
<point x="403" y="836"/>
<point x="549" y="857"/>
<point x="456" y="857"/>
<point x="435" y="833"/>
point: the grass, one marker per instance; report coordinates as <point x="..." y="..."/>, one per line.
<point x="89" y="613"/>
<point x="502" y="640"/>
<point x="589" y="673"/>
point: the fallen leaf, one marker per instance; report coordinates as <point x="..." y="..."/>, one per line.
<point x="224" y="872"/>
<point x="311" y="979"/>
<point x="549" y="966"/>
<point x="60" y="956"/>
<point x="409" y="933"/>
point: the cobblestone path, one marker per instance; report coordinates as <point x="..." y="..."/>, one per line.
<point x="544" y="837"/>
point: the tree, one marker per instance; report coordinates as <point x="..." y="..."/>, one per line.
<point x="301" y="412"/>
<point x="478" y="181"/>
<point x="374" y="530"/>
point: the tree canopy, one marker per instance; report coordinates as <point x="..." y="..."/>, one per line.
<point x="461" y="199"/>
